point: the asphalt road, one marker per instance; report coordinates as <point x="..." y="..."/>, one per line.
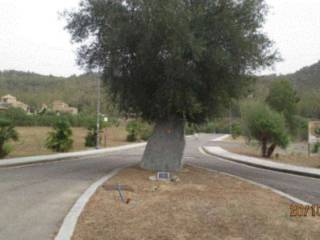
<point x="35" y="199"/>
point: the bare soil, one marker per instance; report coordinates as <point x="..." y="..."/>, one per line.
<point x="202" y="205"/>
<point x="32" y="140"/>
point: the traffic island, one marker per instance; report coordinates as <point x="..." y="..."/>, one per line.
<point x="198" y="204"/>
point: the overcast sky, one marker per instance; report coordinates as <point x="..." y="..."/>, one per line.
<point x="32" y="36"/>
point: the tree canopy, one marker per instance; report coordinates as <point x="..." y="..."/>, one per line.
<point x="267" y="126"/>
<point x="283" y="98"/>
<point x="172" y="58"/>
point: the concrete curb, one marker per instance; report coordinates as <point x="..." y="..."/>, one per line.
<point x="63" y="156"/>
<point x="262" y="163"/>
<point x="70" y="221"/>
<point x="221" y="138"/>
<point x="276" y="191"/>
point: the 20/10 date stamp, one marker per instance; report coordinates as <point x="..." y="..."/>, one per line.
<point x="299" y="210"/>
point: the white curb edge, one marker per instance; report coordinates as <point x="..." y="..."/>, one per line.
<point x="221" y="138"/>
<point x="276" y="191"/>
<point x="262" y="163"/>
<point x="70" y="221"/>
<point x="283" y="194"/>
<point x="11" y="162"/>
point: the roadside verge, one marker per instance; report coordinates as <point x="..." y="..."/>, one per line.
<point x="63" y="156"/>
<point x="262" y="163"/>
<point x="69" y="223"/>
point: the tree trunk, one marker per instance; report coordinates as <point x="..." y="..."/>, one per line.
<point x="164" y="151"/>
<point x="271" y="150"/>
<point x="264" y="148"/>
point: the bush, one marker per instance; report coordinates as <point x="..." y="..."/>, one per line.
<point x="133" y="128"/>
<point x="60" y="139"/>
<point x="208" y="127"/>
<point x="265" y="125"/>
<point x="137" y="129"/>
<point x="18" y="117"/>
<point x="7" y="133"/>
<point x="145" y="132"/>
<point x="301" y="128"/>
<point x="316" y="148"/>
<point x="91" y="138"/>
<point x="189" y="129"/>
<point x="222" y="125"/>
<point x="236" y="130"/>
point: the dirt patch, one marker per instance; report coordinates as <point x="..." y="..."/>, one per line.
<point x="203" y="205"/>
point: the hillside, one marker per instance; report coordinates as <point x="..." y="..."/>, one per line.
<point x="304" y="79"/>
<point x="307" y="77"/>
<point x="35" y="89"/>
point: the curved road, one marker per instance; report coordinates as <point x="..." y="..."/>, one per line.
<point x="35" y="199"/>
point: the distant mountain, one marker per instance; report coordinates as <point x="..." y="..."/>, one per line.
<point x="307" y="77"/>
<point x="35" y="90"/>
<point x="304" y="79"/>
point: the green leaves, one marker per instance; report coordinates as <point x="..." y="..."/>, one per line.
<point x="138" y="129"/>
<point x="60" y="139"/>
<point x="172" y="57"/>
<point x="7" y="133"/>
<point x="264" y="124"/>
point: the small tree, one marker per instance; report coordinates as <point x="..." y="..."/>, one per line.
<point x="7" y="133"/>
<point x="60" y="140"/>
<point x="267" y="126"/>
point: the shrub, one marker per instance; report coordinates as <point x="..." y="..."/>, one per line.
<point x="301" y="128"/>
<point x="91" y="138"/>
<point x="91" y="125"/>
<point x="208" y="127"/>
<point x="236" y="130"/>
<point x="133" y="129"/>
<point x="265" y="125"/>
<point x="316" y="148"/>
<point x="60" y="139"/>
<point x="20" y="118"/>
<point x="138" y="129"/>
<point x="7" y="133"/>
<point x="189" y="129"/>
<point x="222" y="125"/>
<point x="145" y="132"/>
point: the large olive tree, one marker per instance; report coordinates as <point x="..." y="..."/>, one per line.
<point x="171" y="61"/>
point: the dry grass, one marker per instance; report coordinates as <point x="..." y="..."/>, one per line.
<point x="32" y="140"/>
<point x="293" y="155"/>
<point x="203" y="205"/>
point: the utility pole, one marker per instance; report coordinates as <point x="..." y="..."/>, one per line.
<point x="98" y="111"/>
